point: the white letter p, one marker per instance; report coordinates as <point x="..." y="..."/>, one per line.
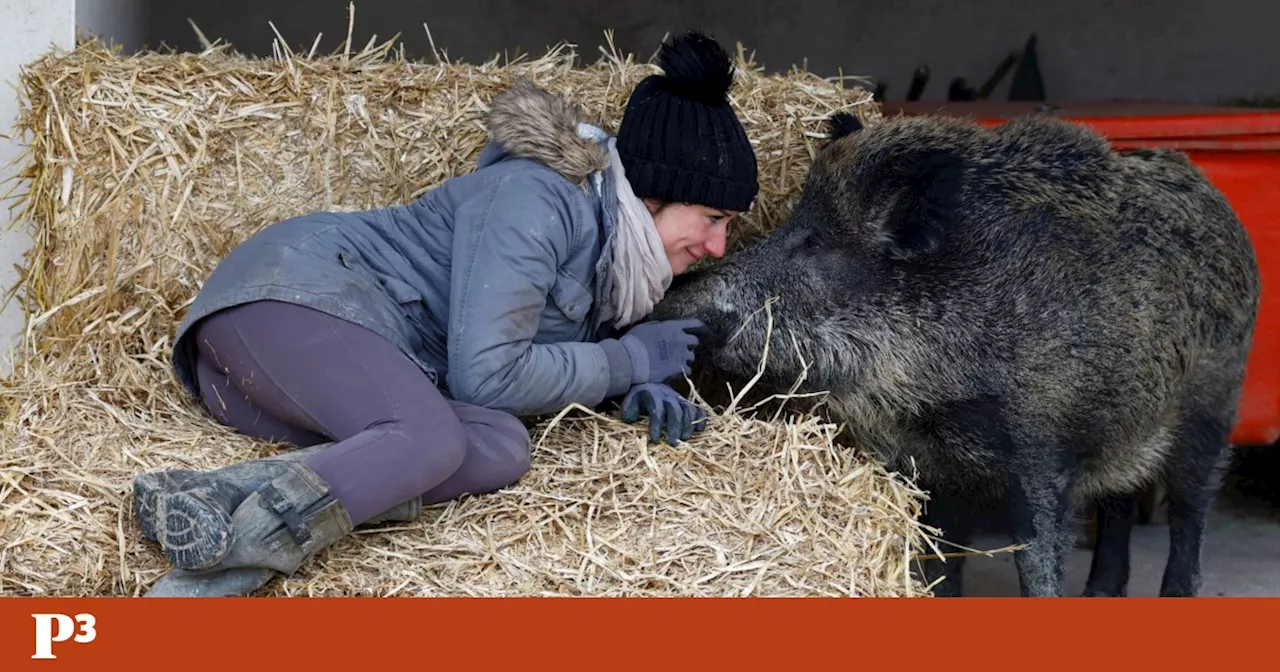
<point x="44" y="633"/>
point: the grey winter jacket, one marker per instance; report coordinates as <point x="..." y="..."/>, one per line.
<point x="490" y="283"/>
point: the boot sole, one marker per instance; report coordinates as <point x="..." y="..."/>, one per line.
<point x="149" y="491"/>
<point x="197" y="524"/>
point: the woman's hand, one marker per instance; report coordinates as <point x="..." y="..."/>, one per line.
<point x="661" y="351"/>
<point x="664" y="406"/>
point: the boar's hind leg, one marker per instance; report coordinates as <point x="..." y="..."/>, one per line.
<point x="1192" y="476"/>
<point x="953" y="518"/>
<point x="1109" y="573"/>
<point x="1040" y="510"/>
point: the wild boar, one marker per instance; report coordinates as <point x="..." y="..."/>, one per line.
<point x="1020" y="313"/>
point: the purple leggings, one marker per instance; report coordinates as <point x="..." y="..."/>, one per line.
<point x="291" y="374"/>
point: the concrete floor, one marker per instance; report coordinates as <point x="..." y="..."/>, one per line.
<point x="1241" y="554"/>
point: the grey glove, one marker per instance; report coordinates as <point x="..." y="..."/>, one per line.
<point x="664" y="406"/>
<point x="661" y="351"/>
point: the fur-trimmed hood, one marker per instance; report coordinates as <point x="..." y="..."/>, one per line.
<point x="530" y="122"/>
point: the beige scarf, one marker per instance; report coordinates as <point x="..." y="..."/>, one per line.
<point x="641" y="272"/>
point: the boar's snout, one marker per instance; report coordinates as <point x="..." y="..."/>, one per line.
<point x="703" y="296"/>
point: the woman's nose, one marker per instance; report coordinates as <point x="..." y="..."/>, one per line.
<point x="715" y="245"/>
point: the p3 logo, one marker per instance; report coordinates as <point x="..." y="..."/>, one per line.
<point x="79" y="628"/>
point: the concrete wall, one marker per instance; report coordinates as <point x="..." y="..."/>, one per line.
<point x="118" y="22"/>
<point x="1189" y="50"/>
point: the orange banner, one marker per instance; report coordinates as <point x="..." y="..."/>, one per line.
<point x="233" y="635"/>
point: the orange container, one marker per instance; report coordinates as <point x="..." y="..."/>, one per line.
<point x="1239" y="151"/>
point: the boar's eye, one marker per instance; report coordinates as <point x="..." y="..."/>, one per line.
<point x="805" y="242"/>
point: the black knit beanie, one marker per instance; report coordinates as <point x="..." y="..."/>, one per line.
<point x="679" y="140"/>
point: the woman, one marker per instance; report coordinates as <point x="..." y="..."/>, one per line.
<point x="398" y="346"/>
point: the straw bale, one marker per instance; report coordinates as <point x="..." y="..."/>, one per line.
<point x="142" y="171"/>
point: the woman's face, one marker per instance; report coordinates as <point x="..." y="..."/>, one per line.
<point x="689" y="232"/>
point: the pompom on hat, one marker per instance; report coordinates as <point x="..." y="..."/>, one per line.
<point x="679" y="140"/>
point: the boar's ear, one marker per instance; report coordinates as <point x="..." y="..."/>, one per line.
<point x="926" y="199"/>
<point x="842" y="124"/>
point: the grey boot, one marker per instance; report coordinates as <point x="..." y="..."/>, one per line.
<point x="243" y="581"/>
<point x="279" y="526"/>
<point x="150" y="490"/>
<point x="231" y="484"/>
<point x="234" y="582"/>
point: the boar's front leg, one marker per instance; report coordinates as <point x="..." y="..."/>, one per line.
<point x="1192" y="477"/>
<point x="1040" y="510"/>
<point x="1109" y="573"/>
<point x="967" y="442"/>
<point x="953" y="516"/>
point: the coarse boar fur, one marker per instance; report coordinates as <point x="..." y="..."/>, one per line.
<point x="1018" y="312"/>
